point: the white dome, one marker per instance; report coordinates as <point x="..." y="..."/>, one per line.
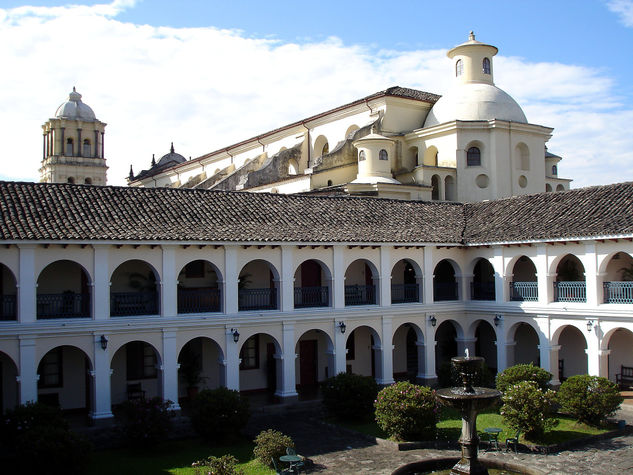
<point x="475" y="101"/>
<point x="73" y="108"/>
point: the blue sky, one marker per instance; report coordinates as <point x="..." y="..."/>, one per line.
<point x="206" y="73"/>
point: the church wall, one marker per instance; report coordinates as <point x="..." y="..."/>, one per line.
<point x="402" y="116"/>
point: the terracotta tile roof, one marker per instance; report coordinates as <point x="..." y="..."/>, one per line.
<point x="64" y="212"/>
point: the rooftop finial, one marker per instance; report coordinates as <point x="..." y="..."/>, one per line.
<point x="172" y="148"/>
<point x="153" y="160"/>
<point x="131" y="173"/>
<point x="471" y="37"/>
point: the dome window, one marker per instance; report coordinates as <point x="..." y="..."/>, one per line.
<point x="473" y="157"/>
<point x="459" y="68"/>
<point x="554" y="170"/>
<point x="86" y="149"/>
<point x="88" y="181"/>
<point x="383" y="155"/>
<point x="486" y="66"/>
<point x="70" y="180"/>
<point x="361" y="155"/>
<point x="69" y="147"/>
<point x="326" y="149"/>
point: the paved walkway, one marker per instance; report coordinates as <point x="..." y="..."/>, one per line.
<point x="337" y="451"/>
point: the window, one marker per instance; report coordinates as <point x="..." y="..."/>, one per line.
<point x="554" y="170"/>
<point x="383" y="155"/>
<point x="50" y="370"/>
<point x="249" y="354"/>
<point x="350" y="346"/>
<point x="71" y="179"/>
<point x="361" y="155"/>
<point x="69" y="147"/>
<point x="459" y="68"/>
<point x="326" y="149"/>
<point x="141" y="361"/>
<point x="88" y="181"/>
<point x="473" y="157"/>
<point x="86" y="149"/>
<point x="486" y="66"/>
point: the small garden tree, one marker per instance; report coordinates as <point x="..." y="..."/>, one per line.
<point x="225" y="465"/>
<point x="219" y="414"/>
<point x="589" y="399"/>
<point x="528" y="407"/>
<point x="523" y="372"/>
<point x="405" y="411"/>
<point x="271" y="444"/>
<point x="350" y="396"/>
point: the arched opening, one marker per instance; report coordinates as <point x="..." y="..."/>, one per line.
<point x="315" y="362"/>
<point x="620" y="354"/>
<point x="312" y="285"/>
<point x="69" y="147"/>
<point x="444" y="282"/>
<point x="522" y="157"/>
<point x="134" y="290"/>
<point x="560" y="188"/>
<point x="71" y="180"/>
<point x="486" y="344"/>
<point x="260" y="366"/>
<point x="430" y="156"/>
<point x="524" y="286"/>
<point x="548" y="188"/>
<point x="63" y="291"/>
<point x="404" y="282"/>
<point x="86" y="148"/>
<point x="8" y="297"/>
<point x="483" y="285"/>
<point x="198" y="288"/>
<point x="88" y="181"/>
<point x="618" y="282"/>
<point x="570" y="285"/>
<point x="411" y="160"/>
<point x="526" y="345"/>
<point x="321" y="146"/>
<point x="293" y="167"/>
<point x="9" y="396"/>
<point x="459" y="68"/>
<point x="200" y="367"/>
<point x="360" y="288"/>
<point x="362" y="352"/>
<point x="445" y="349"/>
<point x="408" y="353"/>
<point x="572" y="358"/>
<point x="450" y="191"/>
<point x="135" y="372"/>
<point x="473" y="157"/>
<point x="383" y="155"/>
<point x="485" y="66"/>
<point x="435" y="187"/>
<point x="64" y="379"/>
<point x="349" y="133"/>
<point x="257" y="288"/>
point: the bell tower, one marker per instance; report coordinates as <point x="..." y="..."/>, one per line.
<point x="73" y="148"/>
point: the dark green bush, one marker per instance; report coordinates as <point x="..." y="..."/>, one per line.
<point x="37" y="439"/>
<point x="523" y="372"/>
<point x="529" y="408"/>
<point x="589" y="399"/>
<point x="350" y="396"/>
<point x="225" y="465"/>
<point x="144" y="422"/>
<point x="271" y="444"/>
<point x="219" y="415"/>
<point x="405" y="411"/>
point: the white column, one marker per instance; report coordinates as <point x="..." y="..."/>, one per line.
<point x="101" y="286"/>
<point x="604" y="363"/>
<point x="421" y="360"/>
<point x="27" y="288"/>
<point x="464" y="286"/>
<point x="338" y="272"/>
<point x="384" y="283"/>
<point x="593" y="350"/>
<point x="288" y="384"/>
<point x="549" y="360"/>
<point x="500" y="281"/>
<point x="502" y="357"/>
<point x="28" y="376"/>
<point x="230" y="283"/>
<point x="428" y="275"/>
<point x="169" y="369"/>
<point x="386" y="360"/>
<point x="101" y="376"/>
<point x="287" y="279"/>
<point x="591" y="276"/>
<point x="340" y="351"/>
<point x="169" y="283"/>
<point x="509" y="349"/>
<point x="544" y="280"/>
<point x="429" y="354"/>
<point x="232" y="361"/>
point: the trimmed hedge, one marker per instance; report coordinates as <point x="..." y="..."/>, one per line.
<point x="349" y="396"/>
<point x="589" y="399"/>
<point x="523" y="372"/>
<point x="271" y="444"/>
<point x="144" y="422"/>
<point x="405" y="411"/>
<point x="527" y="407"/>
<point x="219" y="415"/>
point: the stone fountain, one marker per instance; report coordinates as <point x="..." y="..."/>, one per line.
<point x="468" y="400"/>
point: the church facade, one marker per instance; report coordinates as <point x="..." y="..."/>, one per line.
<point x="113" y="293"/>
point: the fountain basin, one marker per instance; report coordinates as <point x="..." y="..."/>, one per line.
<point x="478" y="399"/>
<point x="444" y="464"/>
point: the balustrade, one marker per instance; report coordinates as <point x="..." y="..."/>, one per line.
<point x="618" y="292"/>
<point x="64" y="305"/>
<point x="194" y="300"/>
<point x="257" y="299"/>
<point x="570" y="291"/>
<point x="444" y="291"/>
<point x="482" y="290"/>
<point x="127" y="304"/>
<point x="7" y="307"/>
<point x="360" y="295"/>
<point x="312" y="297"/>
<point x="524" y="291"/>
<point x="405" y="293"/>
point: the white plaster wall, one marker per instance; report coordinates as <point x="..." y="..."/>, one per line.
<point x="621" y="346"/>
<point x="572" y="351"/>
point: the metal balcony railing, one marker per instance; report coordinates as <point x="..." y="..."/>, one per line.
<point x="127" y="304"/>
<point x="257" y="299"/>
<point x="482" y="290"/>
<point x="64" y="305"/>
<point x="360" y="295"/>
<point x="405" y="293"/>
<point x="312" y="297"/>
<point x="570" y="291"/>
<point x="199" y="300"/>
<point x="618" y="292"/>
<point x="524" y="291"/>
<point x="444" y="291"/>
<point x="7" y="307"/>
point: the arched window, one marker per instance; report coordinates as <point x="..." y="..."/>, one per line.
<point x="554" y="170"/>
<point x="88" y="181"/>
<point x="361" y="155"/>
<point x="382" y="155"/>
<point x="326" y="149"/>
<point x="69" y="147"/>
<point x="473" y="157"/>
<point x="71" y="179"/>
<point x="86" y="149"/>
<point x="459" y="68"/>
<point x="486" y="66"/>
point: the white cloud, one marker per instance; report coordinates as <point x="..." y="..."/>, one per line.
<point x="624" y="8"/>
<point x="205" y="88"/>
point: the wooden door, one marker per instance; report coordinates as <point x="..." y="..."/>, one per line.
<point x="308" y="363"/>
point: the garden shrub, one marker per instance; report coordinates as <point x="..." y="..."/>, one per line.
<point x="349" y="396"/>
<point x="219" y="415"/>
<point x="589" y="399"/>
<point x="523" y="372"/>
<point x="527" y="407"/>
<point x="37" y="439"/>
<point x="404" y="410"/>
<point x="225" y="465"/>
<point x="144" y="422"/>
<point x="271" y="444"/>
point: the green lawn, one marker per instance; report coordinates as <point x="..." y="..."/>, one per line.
<point x="173" y="457"/>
